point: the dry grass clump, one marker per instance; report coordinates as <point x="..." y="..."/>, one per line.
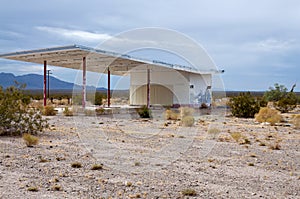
<point x="296" y="121"/>
<point x="97" y="167"/>
<point x="171" y="115"/>
<point x="33" y="189"/>
<point x="186" y="116"/>
<point x="188" y="121"/>
<point x="88" y="112"/>
<point x="76" y="165"/>
<point x="236" y="136"/>
<point x="266" y="114"/>
<point x="56" y="187"/>
<point x="49" y="111"/>
<point x="68" y="112"/>
<point x="189" y="192"/>
<point x="186" y="111"/>
<point x="30" y="140"/>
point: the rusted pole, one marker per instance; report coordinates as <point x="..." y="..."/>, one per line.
<point x="83" y="82"/>
<point x="45" y="83"/>
<point x="108" y="87"/>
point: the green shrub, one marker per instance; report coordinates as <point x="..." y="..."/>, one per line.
<point x="287" y="103"/>
<point x="144" y="112"/>
<point x="30" y="140"/>
<point x="188" y="121"/>
<point x="284" y="101"/>
<point x="68" y="112"/>
<point x="266" y="114"/>
<point x="49" y="111"/>
<point x="244" y="105"/>
<point x="16" y="117"/>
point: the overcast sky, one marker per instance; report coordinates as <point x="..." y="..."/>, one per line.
<point x="256" y="42"/>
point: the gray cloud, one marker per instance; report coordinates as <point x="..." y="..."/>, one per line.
<point x="251" y="40"/>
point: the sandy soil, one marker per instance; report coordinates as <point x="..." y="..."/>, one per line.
<point x="153" y="159"/>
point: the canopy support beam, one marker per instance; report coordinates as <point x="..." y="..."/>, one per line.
<point x="45" y="83"/>
<point x="83" y="82"/>
<point x="108" y="87"/>
<point x="148" y="88"/>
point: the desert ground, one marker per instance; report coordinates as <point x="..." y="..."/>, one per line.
<point x="219" y="157"/>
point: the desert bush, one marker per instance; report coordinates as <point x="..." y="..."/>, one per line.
<point x="266" y="114"/>
<point x="144" y="112"/>
<point x="244" y="105"/>
<point x="171" y="115"/>
<point x="287" y="103"/>
<point x="68" y="112"/>
<point x="284" y="101"/>
<point x="49" y="111"/>
<point x="30" y="140"/>
<point x="296" y="121"/>
<point x="16" y="117"/>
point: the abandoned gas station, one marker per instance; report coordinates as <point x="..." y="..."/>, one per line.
<point x="152" y="82"/>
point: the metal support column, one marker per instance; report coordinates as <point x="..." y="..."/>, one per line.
<point x="45" y="83"/>
<point x="83" y="81"/>
<point x="148" y="88"/>
<point x="108" y="87"/>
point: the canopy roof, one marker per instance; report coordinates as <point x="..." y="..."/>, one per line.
<point x="96" y="60"/>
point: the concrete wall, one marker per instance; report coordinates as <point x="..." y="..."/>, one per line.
<point x="178" y="82"/>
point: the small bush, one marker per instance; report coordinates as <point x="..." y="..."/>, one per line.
<point x="16" y="117"/>
<point x="144" y="112"/>
<point x="188" y="121"/>
<point x="266" y="114"/>
<point x="214" y="131"/>
<point x="97" y="167"/>
<point x="296" y="121"/>
<point x="189" y="192"/>
<point x="76" y="165"/>
<point x="100" y="111"/>
<point x="287" y="103"/>
<point x="30" y="140"/>
<point x="244" y="105"/>
<point x="49" y="111"/>
<point x="68" y="112"/>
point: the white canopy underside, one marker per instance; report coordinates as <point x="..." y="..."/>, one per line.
<point x="96" y="60"/>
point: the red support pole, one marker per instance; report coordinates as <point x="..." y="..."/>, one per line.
<point x="45" y="83"/>
<point x="148" y="88"/>
<point x="83" y="82"/>
<point x="108" y="87"/>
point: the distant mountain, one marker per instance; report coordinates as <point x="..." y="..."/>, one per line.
<point x="36" y="82"/>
